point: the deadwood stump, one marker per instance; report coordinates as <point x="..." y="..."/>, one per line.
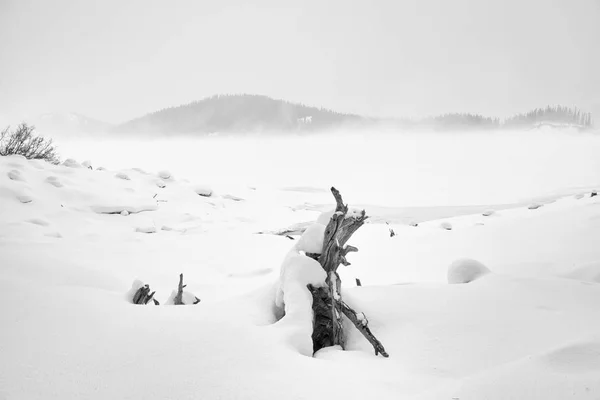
<point x="328" y="307"/>
<point x="178" y="300"/>
<point x="143" y="296"/>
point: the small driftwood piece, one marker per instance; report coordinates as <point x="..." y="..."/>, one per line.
<point x="392" y="233"/>
<point x="143" y="295"/>
<point x="362" y="324"/>
<point x="178" y="300"/>
<point x="328" y="307"/>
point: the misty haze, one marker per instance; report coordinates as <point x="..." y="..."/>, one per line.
<point x="396" y="200"/>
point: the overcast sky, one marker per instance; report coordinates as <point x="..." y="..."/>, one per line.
<point x="118" y="59"/>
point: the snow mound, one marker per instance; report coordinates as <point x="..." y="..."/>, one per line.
<point x="203" y="190"/>
<point x="294" y="302"/>
<point x="69" y="162"/>
<point x="534" y="206"/>
<point x="311" y="240"/>
<point x="488" y="213"/>
<point x="24" y="198"/>
<point x="579" y="357"/>
<point x="140" y="170"/>
<point x="146" y="229"/>
<point x="588" y="273"/>
<point x="135" y="286"/>
<point x="161" y="184"/>
<point x="188" y="298"/>
<point x="38" y="221"/>
<point x="53" y="180"/>
<point x="232" y="197"/>
<point x="164" y="174"/>
<point x="122" y="175"/>
<point x="466" y="270"/>
<point x="579" y="196"/>
<point x="87" y="164"/>
<point x="131" y="206"/>
<point x="53" y="235"/>
<point x="124" y="213"/>
<point x="446" y="225"/>
<point x="15" y="175"/>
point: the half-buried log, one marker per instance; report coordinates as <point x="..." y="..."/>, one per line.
<point x="328" y="307"/>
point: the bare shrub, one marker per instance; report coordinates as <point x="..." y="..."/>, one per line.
<point x="23" y="141"/>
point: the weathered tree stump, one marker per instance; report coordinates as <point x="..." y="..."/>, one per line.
<point x="143" y="295"/>
<point x="178" y="300"/>
<point x="328" y="306"/>
<point x="392" y="233"/>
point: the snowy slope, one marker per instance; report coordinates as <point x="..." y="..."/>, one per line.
<point x="68" y="257"/>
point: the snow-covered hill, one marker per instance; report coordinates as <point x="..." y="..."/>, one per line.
<point x="528" y="329"/>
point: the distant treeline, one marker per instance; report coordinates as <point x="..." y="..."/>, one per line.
<point x="557" y="115"/>
<point x="256" y="113"/>
<point x="239" y="113"/>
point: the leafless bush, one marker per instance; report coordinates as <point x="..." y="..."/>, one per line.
<point x="23" y="141"/>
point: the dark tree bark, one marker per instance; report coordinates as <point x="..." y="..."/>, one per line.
<point x="143" y="295"/>
<point x="392" y="233"/>
<point x="178" y="300"/>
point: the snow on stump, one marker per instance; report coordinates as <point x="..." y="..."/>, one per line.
<point x="446" y="225"/>
<point x="124" y="213"/>
<point x="15" y="175"/>
<point x="122" y="175"/>
<point x="145" y="229"/>
<point x="311" y="241"/>
<point x="534" y="206"/>
<point x="164" y="174"/>
<point x="413" y="223"/>
<point x="69" y="162"/>
<point x="203" y="190"/>
<point x="87" y="164"/>
<point x="466" y="270"/>
<point x="488" y="213"/>
<point x="161" y="184"/>
<point x="294" y="302"/>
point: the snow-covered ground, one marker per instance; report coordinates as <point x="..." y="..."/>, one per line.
<point x="74" y="239"/>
